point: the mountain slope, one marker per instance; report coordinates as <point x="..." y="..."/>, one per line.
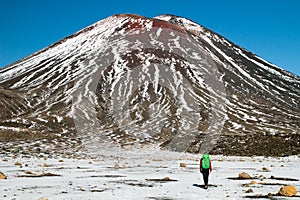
<point x="165" y="81"/>
<point x="263" y="98"/>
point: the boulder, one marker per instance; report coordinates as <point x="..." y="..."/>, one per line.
<point x="182" y="164"/>
<point x="116" y="166"/>
<point x="249" y="191"/>
<point x="166" y="179"/>
<point x="45" y="165"/>
<point x="2" y="176"/>
<point x="244" y="175"/>
<point x="265" y="169"/>
<point x="288" y="191"/>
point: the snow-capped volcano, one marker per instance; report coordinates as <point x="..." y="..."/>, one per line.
<point x="165" y="81"/>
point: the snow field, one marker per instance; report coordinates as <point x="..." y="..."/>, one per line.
<point x="126" y="176"/>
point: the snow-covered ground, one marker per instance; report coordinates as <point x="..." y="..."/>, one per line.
<point x="128" y="174"/>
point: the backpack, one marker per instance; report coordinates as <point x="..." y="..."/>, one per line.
<point x="205" y="161"/>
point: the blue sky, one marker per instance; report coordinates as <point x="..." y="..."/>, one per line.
<point x="268" y="28"/>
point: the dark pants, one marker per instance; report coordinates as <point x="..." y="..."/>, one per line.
<point x="205" y="173"/>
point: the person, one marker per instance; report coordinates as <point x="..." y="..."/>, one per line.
<point x="205" y="168"/>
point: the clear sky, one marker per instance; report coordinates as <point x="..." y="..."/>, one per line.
<point x="268" y="28"/>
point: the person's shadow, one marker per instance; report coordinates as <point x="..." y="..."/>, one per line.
<point x="197" y="185"/>
<point x="202" y="186"/>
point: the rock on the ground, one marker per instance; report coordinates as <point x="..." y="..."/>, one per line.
<point x="249" y="191"/>
<point x="45" y="165"/>
<point x="288" y="191"/>
<point x="2" y="176"/>
<point x="266" y="169"/>
<point x="244" y="175"/>
<point x="182" y="164"/>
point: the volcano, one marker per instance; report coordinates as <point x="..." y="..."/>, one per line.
<point x="165" y="81"/>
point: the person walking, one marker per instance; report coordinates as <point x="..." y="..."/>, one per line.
<point x="205" y="168"/>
